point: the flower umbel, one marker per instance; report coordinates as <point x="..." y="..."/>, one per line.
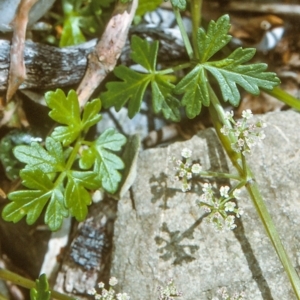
<point x="109" y="294"/>
<point x="185" y="169"/>
<point x="221" y="211"/>
<point x="225" y="296"/>
<point x="247" y="135"/>
<point x="170" y="292"/>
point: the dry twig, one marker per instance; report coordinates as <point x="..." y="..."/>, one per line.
<point x="105" y="55"/>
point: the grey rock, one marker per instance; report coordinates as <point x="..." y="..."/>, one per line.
<point x="160" y="232"/>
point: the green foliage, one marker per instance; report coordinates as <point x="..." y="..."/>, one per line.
<point x="180" y="4"/>
<point x="228" y="72"/>
<point x="53" y="183"/>
<point x="145" y="6"/>
<point x="134" y="84"/>
<point x="16" y="137"/>
<point x="80" y="17"/>
<point x="41" y="292"/>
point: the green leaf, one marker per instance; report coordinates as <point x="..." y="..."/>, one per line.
<point x="87" y="179"/>
<point x="108" y="164"/>
<point x="41" y="291"/>
<point x="163" y="100"/>
<point x="71" y="33"/>
<point x="36" y="157"/>
<point x="194" y="87"/>
<point x="145" y="6"/>
<point x="25" y="202"/>
<point x="65" y="109"/>
<point x="144" y="53"/>
<point x="180" y="4"/>
<point x="131" y="89"/>
<point x="251" y="77"/>
<point x="215" y="39"/>
<point x="134" y="84"/>
<point x="91" y="114"/>
<point x="77" y="199"/>
<point x="36" y="179"/>
<point x="87" y="158"/>
<point x="228" y="72"/>
<point x="56" y="210"/>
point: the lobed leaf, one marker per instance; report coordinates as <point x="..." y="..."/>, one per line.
<point x="194" y="87"/>
<point x="214" y="39"/>
<point x="25" y="202"/>
<point x="180" y="4"/>
<point x="36" y="157"/>
<point x="108" y="164"/>
<point x="77" y="199"/>
<point x="56" y="210"/>
<point x="144" y="53"/>
<point x="65" y="109"/>
<point x="91" y="114"/>
<point x="251" y="77"/>
<point x="132" y="89"/>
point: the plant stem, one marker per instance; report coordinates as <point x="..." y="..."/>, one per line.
<point x="257" y="200"/>
<point x="29" y="284"/>
<point x="196" y="6"/>
<point x="184" y="35"/>
<point x="220" y="175"/>
<point x="284" y="97"/>
<point x="174" y="69"/>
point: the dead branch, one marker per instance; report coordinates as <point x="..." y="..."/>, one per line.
<point x="17" y="71"/>
<point x="104" y="58"/>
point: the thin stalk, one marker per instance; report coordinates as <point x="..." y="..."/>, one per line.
<point x="29" y="284"/>
<point x="284" y="97"/>
<point x="174" y="69"/>
<point x="220" y="175"/>
<point x="184" y="35"/>
<point x="259" y="204"/>
<point x="196" y="6"/>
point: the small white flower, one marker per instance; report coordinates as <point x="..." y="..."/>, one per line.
<point x="113" y="281"/>
<point x="123" y="296"/>
<point x="229" y="222"/>
<point x="247" y="114"/>
<point x="92" y="291"/>
<point x="239" y="212"/>
<point x="186" y="153"/>
<point x="230" y="206"/>
<point x="186" y="187"/>
<point x="225" y="130"/>
<point x="224" y="191"/>
<point x="189" y="175"/>
<point x="196" y="168"/>
<point x="100" y="285"/>
<point x="229" y="115"/>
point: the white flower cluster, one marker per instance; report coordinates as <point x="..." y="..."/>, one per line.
<point x="185" y="169"/>
<point x="224" y="294"/>
<point x="221" y="210"/>
<point x="169" y="292"/>
<point x="247" y="135"/>
<point x="109" y="294"/>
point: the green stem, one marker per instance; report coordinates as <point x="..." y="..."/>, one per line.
<point x="258" y="202"/>
<point x="220" y="175"/>
<point x="184" y="35"/>
<point x="29" y="284"/>
<point x="174" y="69"/>
<point x="69" y="163"/>
<point x="196" y="6"/>
<point x="284" y="97"/>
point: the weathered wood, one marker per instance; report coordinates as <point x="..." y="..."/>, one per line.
<point x="51" y="67"/>
<point x="47" y="67"/>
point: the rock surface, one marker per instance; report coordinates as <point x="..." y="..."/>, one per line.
<point x="160" y="233"/>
